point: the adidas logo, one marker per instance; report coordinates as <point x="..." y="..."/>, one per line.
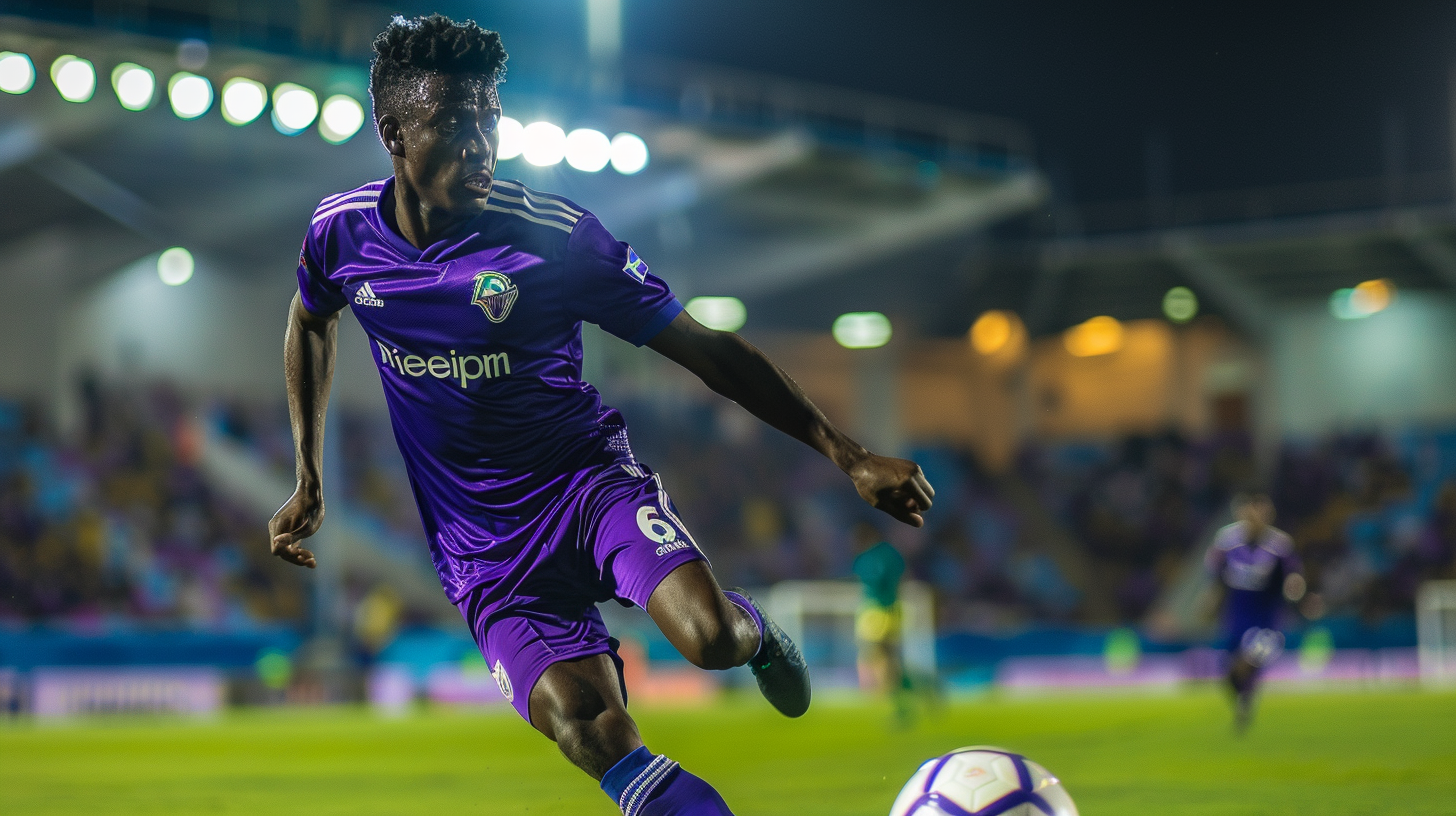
<point x="366" y="297"/>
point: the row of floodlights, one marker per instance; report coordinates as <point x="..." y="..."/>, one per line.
<point x="1001" y="334"/>
<point x="856" y="330"/>
<point x="295" y="108"/>
<point x="545" y="144"/>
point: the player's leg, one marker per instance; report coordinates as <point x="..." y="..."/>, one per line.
<point x="701" y="621"/>
<point x="579" y="705"/>
<point x="648" y="557"/>
<point x="1258" y="647"/>
<point x="719" y="629"/>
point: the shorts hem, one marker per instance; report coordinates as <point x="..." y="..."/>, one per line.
<point x="667" y="566"/>
<point x="524" y="709"/>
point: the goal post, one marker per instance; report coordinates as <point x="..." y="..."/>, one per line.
<point x="1436" y="631"/>
<point x="820" y="616"/>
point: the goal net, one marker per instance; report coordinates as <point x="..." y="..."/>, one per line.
<point x="820" y="617"/>
<point x="1436" y="630"/>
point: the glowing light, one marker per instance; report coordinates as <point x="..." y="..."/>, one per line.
<point x="1364" y="300"/>
<point x="991" y="332"/>
<point x="629" y="153"/>
<point x="190" y="94"/>
<point x="543" y="144"/>
<point x="17" y="73"/>
<point x="243" y="100"/>
<point x="294" y="108"/>
<point x="134" y="86"/>
<point x="588" y="150"/>
<point x="1098" y="336"/>
<point x="74" y="77"/>
<point x="512" y="138"/>
<point x="1373" y="296"/>
<point x="859" y="330"/>
<point x="174" y="266"/>
<point x="1180" y="305"/>
<point x="721" y="313"/>
<point x="341" y="118"/>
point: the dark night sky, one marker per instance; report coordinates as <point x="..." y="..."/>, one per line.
<point x="1241" y="94"/>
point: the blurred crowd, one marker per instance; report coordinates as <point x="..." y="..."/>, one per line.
<point x="120" y="523"/>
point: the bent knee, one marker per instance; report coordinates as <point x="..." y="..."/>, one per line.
<point x="715" y="639"/>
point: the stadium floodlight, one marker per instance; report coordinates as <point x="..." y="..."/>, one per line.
<point x="1365" y="299"/>
<point x="134" y="86"/>
<point x="1180" y="305"/>
<point x="243" y="100"/>
<point x="294" y="108"/>
<point x="861" y="330"/>
<point x="1095" y="337"/>
<point x="512" y="138"/>
<point x="17" y="73"/>
<point x="629" y="153"/>
<point x="190" y="94"/>
<point x="543" y="144"/>
<point x="991" y="332"/>
<point x="174" y="266"/>
<point x="588" y="150"/>
<point x="341" y="118"/>
<point x="74" y="77"/>
<point x="721" y="313"/>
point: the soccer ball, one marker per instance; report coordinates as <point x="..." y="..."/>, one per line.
<point x="982" y="781"/>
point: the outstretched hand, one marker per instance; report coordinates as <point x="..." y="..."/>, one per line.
<point x="896" y="486"/>
<point x="299" y="518"/>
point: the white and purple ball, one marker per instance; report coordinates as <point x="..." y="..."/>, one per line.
<point x="982" y="781"/>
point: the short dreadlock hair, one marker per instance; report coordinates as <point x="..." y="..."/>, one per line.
<point x="408" y="50"/>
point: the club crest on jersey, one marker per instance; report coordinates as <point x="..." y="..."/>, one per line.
<point x="495" y="294"/>
<point x="636" y="267"/>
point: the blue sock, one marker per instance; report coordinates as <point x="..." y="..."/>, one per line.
<point x="646" y="785"/>
<point x="742" y="603"/>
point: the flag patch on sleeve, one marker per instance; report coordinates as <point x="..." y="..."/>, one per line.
<point x="636" y="267"/>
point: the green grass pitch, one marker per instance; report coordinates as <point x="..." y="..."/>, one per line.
<point x="1324" y="753"/>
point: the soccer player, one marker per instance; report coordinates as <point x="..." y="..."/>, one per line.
<point x="1255" y="564"/>
<point x="879" y="569"/>
<point x="472" y="290"/>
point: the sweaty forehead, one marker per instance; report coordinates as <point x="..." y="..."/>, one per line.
<point x="446" y="90"/>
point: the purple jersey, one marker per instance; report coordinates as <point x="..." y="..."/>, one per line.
<point x="1253" y="573"/>
<point x="478" y="342"/>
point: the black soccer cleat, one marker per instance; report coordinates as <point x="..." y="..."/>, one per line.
<point x="779" y="667"/>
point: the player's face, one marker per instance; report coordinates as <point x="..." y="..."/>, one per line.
<point x="1257" y="513"/>
<point x="450" y="143"/>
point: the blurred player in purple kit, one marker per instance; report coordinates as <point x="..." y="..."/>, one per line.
<point x="1255" y="564"/>
<point x="472" y="290"/>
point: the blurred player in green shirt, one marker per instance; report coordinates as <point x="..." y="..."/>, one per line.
<point x="877" y="626"/>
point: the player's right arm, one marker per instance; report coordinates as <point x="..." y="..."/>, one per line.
<point x="308" y="371"/>
<point x="308" y="368"/>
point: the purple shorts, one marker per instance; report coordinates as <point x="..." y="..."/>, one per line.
<point x="613" y="534"/>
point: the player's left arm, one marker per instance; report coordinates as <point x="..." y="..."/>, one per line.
<point x="732" y="367"/>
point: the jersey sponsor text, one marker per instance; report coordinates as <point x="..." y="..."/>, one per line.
<point x="461" y="368"/>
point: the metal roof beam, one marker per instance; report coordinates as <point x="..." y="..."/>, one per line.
<point x="1427" y="248"/>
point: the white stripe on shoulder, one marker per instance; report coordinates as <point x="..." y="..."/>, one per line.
<point x="535" y="207"/>
<point x="370" y="197"/>
<point x="355" y="205"/>
<point x="539" y="198"/>
<point x="372" y="187"/>
<point x="544" y="221"/>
